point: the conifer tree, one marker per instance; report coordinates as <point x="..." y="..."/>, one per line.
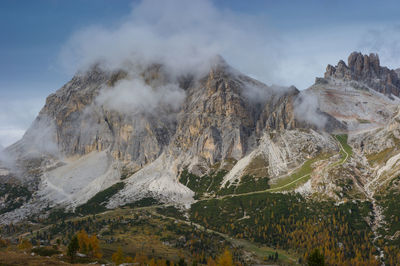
<point x="73" y="247"/>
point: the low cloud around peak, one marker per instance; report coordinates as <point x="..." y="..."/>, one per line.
<point x="184" y="36"/>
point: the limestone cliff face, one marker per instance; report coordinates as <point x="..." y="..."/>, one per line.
<point x="366" y="69"/>
<point x="81" y="125"/>
<point x="216" y="120"/>
<point x="67" y="110"/>
<point x="278" y="112"/>
<point x="223" y="115"/>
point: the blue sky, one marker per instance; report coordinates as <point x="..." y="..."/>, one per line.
<point x="298" y="37"/>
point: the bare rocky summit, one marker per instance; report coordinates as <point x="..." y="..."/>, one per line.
<point x="366" y="69"/>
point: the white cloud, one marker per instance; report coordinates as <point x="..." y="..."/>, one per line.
<point x="184" y="34"/>
<point x="134" y="96"/>
<point x="307" y="107"/>
<point x="384" y="40"/>
<point x="180" y="34"/>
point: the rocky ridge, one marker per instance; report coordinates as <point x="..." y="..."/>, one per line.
<point x="226" y="122"/>
<point x="366" y="69"/>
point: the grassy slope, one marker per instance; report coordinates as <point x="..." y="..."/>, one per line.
<point x="262" y="251"/>
<point x="302" y="175"/>
<point x="96" y="203"/>
<point x="249" y="184"/>
<point x="343" y="141"/>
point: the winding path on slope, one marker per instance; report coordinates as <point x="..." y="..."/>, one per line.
<point x="342" y="149"/>
<point x="342" y="161"/>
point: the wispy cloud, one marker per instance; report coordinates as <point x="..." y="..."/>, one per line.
<point x="184" y="34"/>
<point x="133" y="96"/>
<point x="384" y="40"/>
<point x="180" y="34"/>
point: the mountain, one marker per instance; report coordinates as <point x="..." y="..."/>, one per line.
<point x="217" y="121"/>
<point x="361" y="95"/>
<point x="140" y="134"/>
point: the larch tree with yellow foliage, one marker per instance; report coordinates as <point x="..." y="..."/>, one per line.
<point x="94" y="247"/>
<point x="83" y="240"/>
<point x="225" y="259"/>
<point x="118" y="257"/>
<point x="89" y="245"/>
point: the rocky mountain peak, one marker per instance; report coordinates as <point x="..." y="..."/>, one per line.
<point x="366" y="69"/>
<point x="363" y="65"/>
<point x="218" y="62"/>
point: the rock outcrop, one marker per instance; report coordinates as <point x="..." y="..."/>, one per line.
<point x="79" y="145"/>
<point x="278" y="112"/>
<point x="219" y="117"/>
<point x="80" y="125"/>
<point x="366" y="69"/>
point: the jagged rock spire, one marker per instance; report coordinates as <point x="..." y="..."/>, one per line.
<point x="366" y="69"/>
